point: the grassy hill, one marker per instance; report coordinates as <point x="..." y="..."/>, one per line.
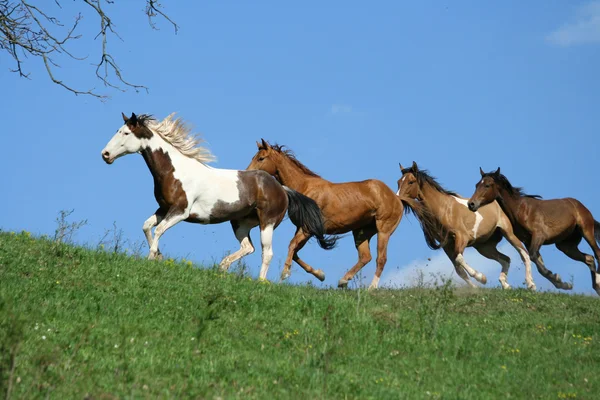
<point x="81" y="323"/>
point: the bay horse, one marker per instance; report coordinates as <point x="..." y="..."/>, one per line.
<point x="537" y="222"/>
<point x="365" y="208"/>
<point x="187" y="189"/>
<point x="448" y="224"/>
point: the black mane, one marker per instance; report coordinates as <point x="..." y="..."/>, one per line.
<point x="501" y="180"/>
<point x="290" y="155"/>
<point x="423" y="176"/>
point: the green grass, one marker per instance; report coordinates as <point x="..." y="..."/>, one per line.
<point x="76" y="322"/>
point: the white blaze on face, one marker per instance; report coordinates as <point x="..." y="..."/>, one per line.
<point x="400" y="185"/>
<point x="124" y="142"/>
<point x="478" y="216"/>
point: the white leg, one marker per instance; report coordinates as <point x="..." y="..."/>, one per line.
<point x="463" y="274"/>
<point x="242" y="233"/>
<point x="166" y="223"/>
<point x="266" y="240"/>
<point x="526" y="260"/>
<point x="475" y="274"/>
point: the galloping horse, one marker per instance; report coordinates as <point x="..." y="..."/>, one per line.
<point x="187" y="189"/>
<point x="366" y="208"/>
<point x="447" y="223"/>
<point x="562" y="222"/>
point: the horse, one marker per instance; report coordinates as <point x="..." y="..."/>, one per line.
<point x="187" y="189"/>
<point x="537" y="222"/>
<point x="366" y="208"/>
<point x="448" y="224"/>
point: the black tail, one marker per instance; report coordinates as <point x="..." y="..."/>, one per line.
<point x="597" y="231"/>
<point x="306" y="214"/>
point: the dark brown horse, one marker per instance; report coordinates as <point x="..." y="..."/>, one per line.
<point x="537" y="222"/>
<point x="366" y="208"/>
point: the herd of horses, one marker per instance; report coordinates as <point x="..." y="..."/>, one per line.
<point x="276" y="182"/>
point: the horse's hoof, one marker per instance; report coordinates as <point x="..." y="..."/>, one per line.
<point x="285" y="275"/>
<point x="320" y="275"/>
<point x="481" y="278"/>
<point x="343" y="284"/>
<point x="505" y="285"/>
<point x="567" y="286"/>
<point x="598" y="291"/>
<point x="532" y="287"/>
<point x="372" y="287"/>
<point x="159" y="256"/>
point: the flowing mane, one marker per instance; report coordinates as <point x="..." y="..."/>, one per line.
<point x="501" y="180"/>
<point x="281" y="149"/>
<point x="179" y="134"/>
<point x="423" y="176"/>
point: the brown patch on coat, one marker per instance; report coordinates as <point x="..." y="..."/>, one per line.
<point x="168" y="190"/>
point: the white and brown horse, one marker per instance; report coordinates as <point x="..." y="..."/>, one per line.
<point x="448" y="224"/>
<point x="187" y="189"/>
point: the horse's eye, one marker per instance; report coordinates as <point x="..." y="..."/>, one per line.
<point x="125" y="133"/>
<point x="261" y="158"/>
<point x="411" y="182"/>
<point x="488" y="185"/>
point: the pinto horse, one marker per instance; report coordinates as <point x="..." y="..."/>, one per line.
<point x="448" y="224"/>
<point x="187" y="189"/>
<point x="537" y="222"/>
<point x="366" y="208"/>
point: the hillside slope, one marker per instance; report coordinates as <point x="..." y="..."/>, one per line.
<point x="76" y="322"/>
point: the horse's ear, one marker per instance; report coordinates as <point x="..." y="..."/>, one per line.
<point x="133" y="120"/>
<point x="265" y="144"/>
<point x="401" y="167"/>
<point x="415" y="167"/>
<point x="125" y="118"/>
<point x="259" y="145"/>
<point x="481" y="172"/>
<point x="497" y="172"/>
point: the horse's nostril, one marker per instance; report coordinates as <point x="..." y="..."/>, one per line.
<point x="105" y="154"/>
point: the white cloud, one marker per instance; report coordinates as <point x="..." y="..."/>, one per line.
<point x="341" y="109"/>
<point x="584" y="28"/>
<point x="439" y="267"/>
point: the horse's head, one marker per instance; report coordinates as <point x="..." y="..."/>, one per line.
<point x="486" y="190"/>
<point x="408" y="186"/>
<point x="263" y="159"/>
<point x="127" y="140"/>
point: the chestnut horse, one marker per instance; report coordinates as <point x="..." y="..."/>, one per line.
<point x="537" y="222"/>
<point x="366" y="208"/>
<point x="187" y="189"/>
<point x="448" y="224"/>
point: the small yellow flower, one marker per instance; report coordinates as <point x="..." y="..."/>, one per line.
<point x="503" y="367"/>
<point x="58" y="282"/>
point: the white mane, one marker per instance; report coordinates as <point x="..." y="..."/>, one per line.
<point x="178" y="133"/>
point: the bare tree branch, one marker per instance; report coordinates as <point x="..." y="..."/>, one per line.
<point x="27" y="32"/>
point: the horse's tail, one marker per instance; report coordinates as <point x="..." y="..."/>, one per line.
<point x="306" y="214"/>
<point x="597" y="231"/>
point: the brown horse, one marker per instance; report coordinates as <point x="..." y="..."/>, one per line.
<point x="366" y="208"/>
<point x="448" y="224"/>
<point x="562" y="222"/>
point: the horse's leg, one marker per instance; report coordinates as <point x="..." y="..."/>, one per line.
<point x="151" y="223"/>
<point x="449" y="250"/>
<point x="460" y="243"/>
<point x="588" y="235"/>
<point x="385" y="228"/>
<point x="170" y="219"/>
<point x="570" y="249"/>
<point x="266" y="241"/>
<point x="489" y="251"/>
<point x="241" y="229"/>
<point x="536" y="257"/>
<point x="297" y="243"/>
<point x="516" y="243"/>
<point x="362" y="238"/>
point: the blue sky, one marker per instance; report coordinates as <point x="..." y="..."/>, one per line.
<point x="353" y="88"/>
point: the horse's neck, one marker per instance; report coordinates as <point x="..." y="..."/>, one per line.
<point x="163" y="159"/>
<point x="293" y="177"/>
<point x="437" y="203"/>
<point x="510" y="205"/>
